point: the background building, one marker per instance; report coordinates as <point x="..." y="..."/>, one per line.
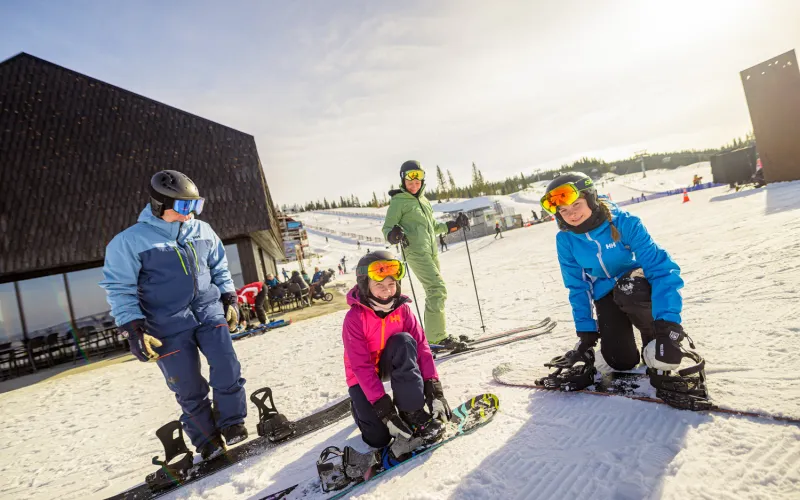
<point x="76" y="157"/>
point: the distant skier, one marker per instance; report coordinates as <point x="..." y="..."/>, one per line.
<point x="383" y="341"/>
<point x="285" y="274"/>
<point x="358" y="245"/>
<point x="340" y="269"/>
<point x="171" y="292"/>
<point x="442" y="243"/>
<point x="344" y="264"/>
<point x="409" y="220"/>
<point x="497" y="231"/>
<point x="609" y="262"/>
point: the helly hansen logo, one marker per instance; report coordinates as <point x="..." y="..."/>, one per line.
<point x="395" y="318"/>
<point x="611" y="245"/>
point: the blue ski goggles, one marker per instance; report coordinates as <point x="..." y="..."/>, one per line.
<point x="185" y="207"/>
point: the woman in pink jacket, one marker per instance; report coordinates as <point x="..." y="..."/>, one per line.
<point x="383" y="341"/>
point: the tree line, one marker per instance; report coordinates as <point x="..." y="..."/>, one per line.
<point x="444" y="187"/>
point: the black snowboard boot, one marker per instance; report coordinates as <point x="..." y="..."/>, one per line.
<point x="235" y="433"/>
<point x="423" y="425"/>
<point x="213" y="448"/>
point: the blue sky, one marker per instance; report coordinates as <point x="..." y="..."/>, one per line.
<point x="339" y="94"/>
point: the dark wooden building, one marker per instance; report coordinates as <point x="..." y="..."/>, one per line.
<point x="76" y="156"/>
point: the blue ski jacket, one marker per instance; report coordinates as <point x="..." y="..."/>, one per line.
<point x="591" y="264"/>
<point x="170" y="274"/>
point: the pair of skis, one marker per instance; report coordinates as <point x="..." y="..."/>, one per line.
<point x="495" y="340"/>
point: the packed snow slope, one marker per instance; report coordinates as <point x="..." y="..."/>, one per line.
<point x="92" y="434"/>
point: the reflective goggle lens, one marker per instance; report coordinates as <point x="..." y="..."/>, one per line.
<point x="382" y="269"/>
<point x="560" y="196"/>
<point x="185" y="207"/>
<point x="415" y="175"/>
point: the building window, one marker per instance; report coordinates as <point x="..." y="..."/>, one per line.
<point x="44" y="304"/>
<point x="234" y="265"/>
<point x="89" y="300"/>
<point x="10" y="322"/>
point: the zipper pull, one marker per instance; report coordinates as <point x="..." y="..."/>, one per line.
<point x="691" y="344"/>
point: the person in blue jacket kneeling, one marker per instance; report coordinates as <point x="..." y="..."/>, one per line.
<point x="171" y="293"/>
<point x="609" y="261"/>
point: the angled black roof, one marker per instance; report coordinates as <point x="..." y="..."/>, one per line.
<point x="76" y="155"/>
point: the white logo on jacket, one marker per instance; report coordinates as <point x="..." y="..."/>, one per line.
<point x="611" y="245"/>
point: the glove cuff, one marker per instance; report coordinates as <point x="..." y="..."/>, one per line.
<point x="130" y="327"/>
<point x="229" y="298"/>
<point x="588" y="339"/>
<point x="384" y="407"/>
<point x="434" y="388"/>
<point x="667" y="329"/>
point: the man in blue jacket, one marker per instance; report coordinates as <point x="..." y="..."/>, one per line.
<point x="172" y="295"/>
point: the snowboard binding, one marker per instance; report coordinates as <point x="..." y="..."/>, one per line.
<point x="684" y="389"/>
<point x="337" y="468"/>
<point x="271" y="424"/>
<point x="171" y="470"/>
<point x="574" y="378"/>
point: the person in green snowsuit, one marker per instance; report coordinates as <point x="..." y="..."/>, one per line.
<point x="409" y="220"/>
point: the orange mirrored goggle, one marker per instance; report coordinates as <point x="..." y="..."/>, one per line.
<point x="414" y="175"/>
<point x="563" y="195"/>
<point x="382" y="269"/>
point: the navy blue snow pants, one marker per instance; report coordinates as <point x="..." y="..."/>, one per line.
<point x="182" y="372"/>
<point x="398" y="363"/>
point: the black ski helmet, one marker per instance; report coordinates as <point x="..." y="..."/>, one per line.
<point x="407" y="166"/>
<point x="362" y="280"/>
<point x="167" y="186"/>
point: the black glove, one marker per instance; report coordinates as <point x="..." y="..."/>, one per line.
<point x="386" y="411"/>
<point x="437" y="404"/>
<point x="461" y="221"/>
<point x="230" y="306"/>
<point x="140" y="342"/>
<point x="396" y="235"/>
<point x="665" y="353"/>
<point x="582" y="353"/>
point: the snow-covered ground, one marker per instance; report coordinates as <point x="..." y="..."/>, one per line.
<point x="91" y="435"/>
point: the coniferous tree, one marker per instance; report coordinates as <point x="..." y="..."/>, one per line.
<point x="442" y="186"/>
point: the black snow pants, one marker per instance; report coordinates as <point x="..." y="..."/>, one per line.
<point x="260" y="301"/>
<point x="627" y="305"/>
<point x="398" y="363"/>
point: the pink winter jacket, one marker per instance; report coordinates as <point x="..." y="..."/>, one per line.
<point x="365" y="334"/>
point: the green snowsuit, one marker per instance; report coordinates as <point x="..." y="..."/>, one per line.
<point x="415" y="215"/>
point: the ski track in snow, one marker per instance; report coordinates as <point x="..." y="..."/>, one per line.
<point x="91" y="435"/>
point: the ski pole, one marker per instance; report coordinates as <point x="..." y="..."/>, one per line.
<point x="405" y="262"/>
<point x="466" y="245"/>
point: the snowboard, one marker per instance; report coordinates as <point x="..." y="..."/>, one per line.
<point x="233" y="455"/>
<point x="467" y="417"/>
<point x="630" y="385"/>
<point x="261" y="329"/>
<point x="488" y="338"/>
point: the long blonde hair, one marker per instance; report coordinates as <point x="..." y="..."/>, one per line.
<point x="604" y="207"/>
